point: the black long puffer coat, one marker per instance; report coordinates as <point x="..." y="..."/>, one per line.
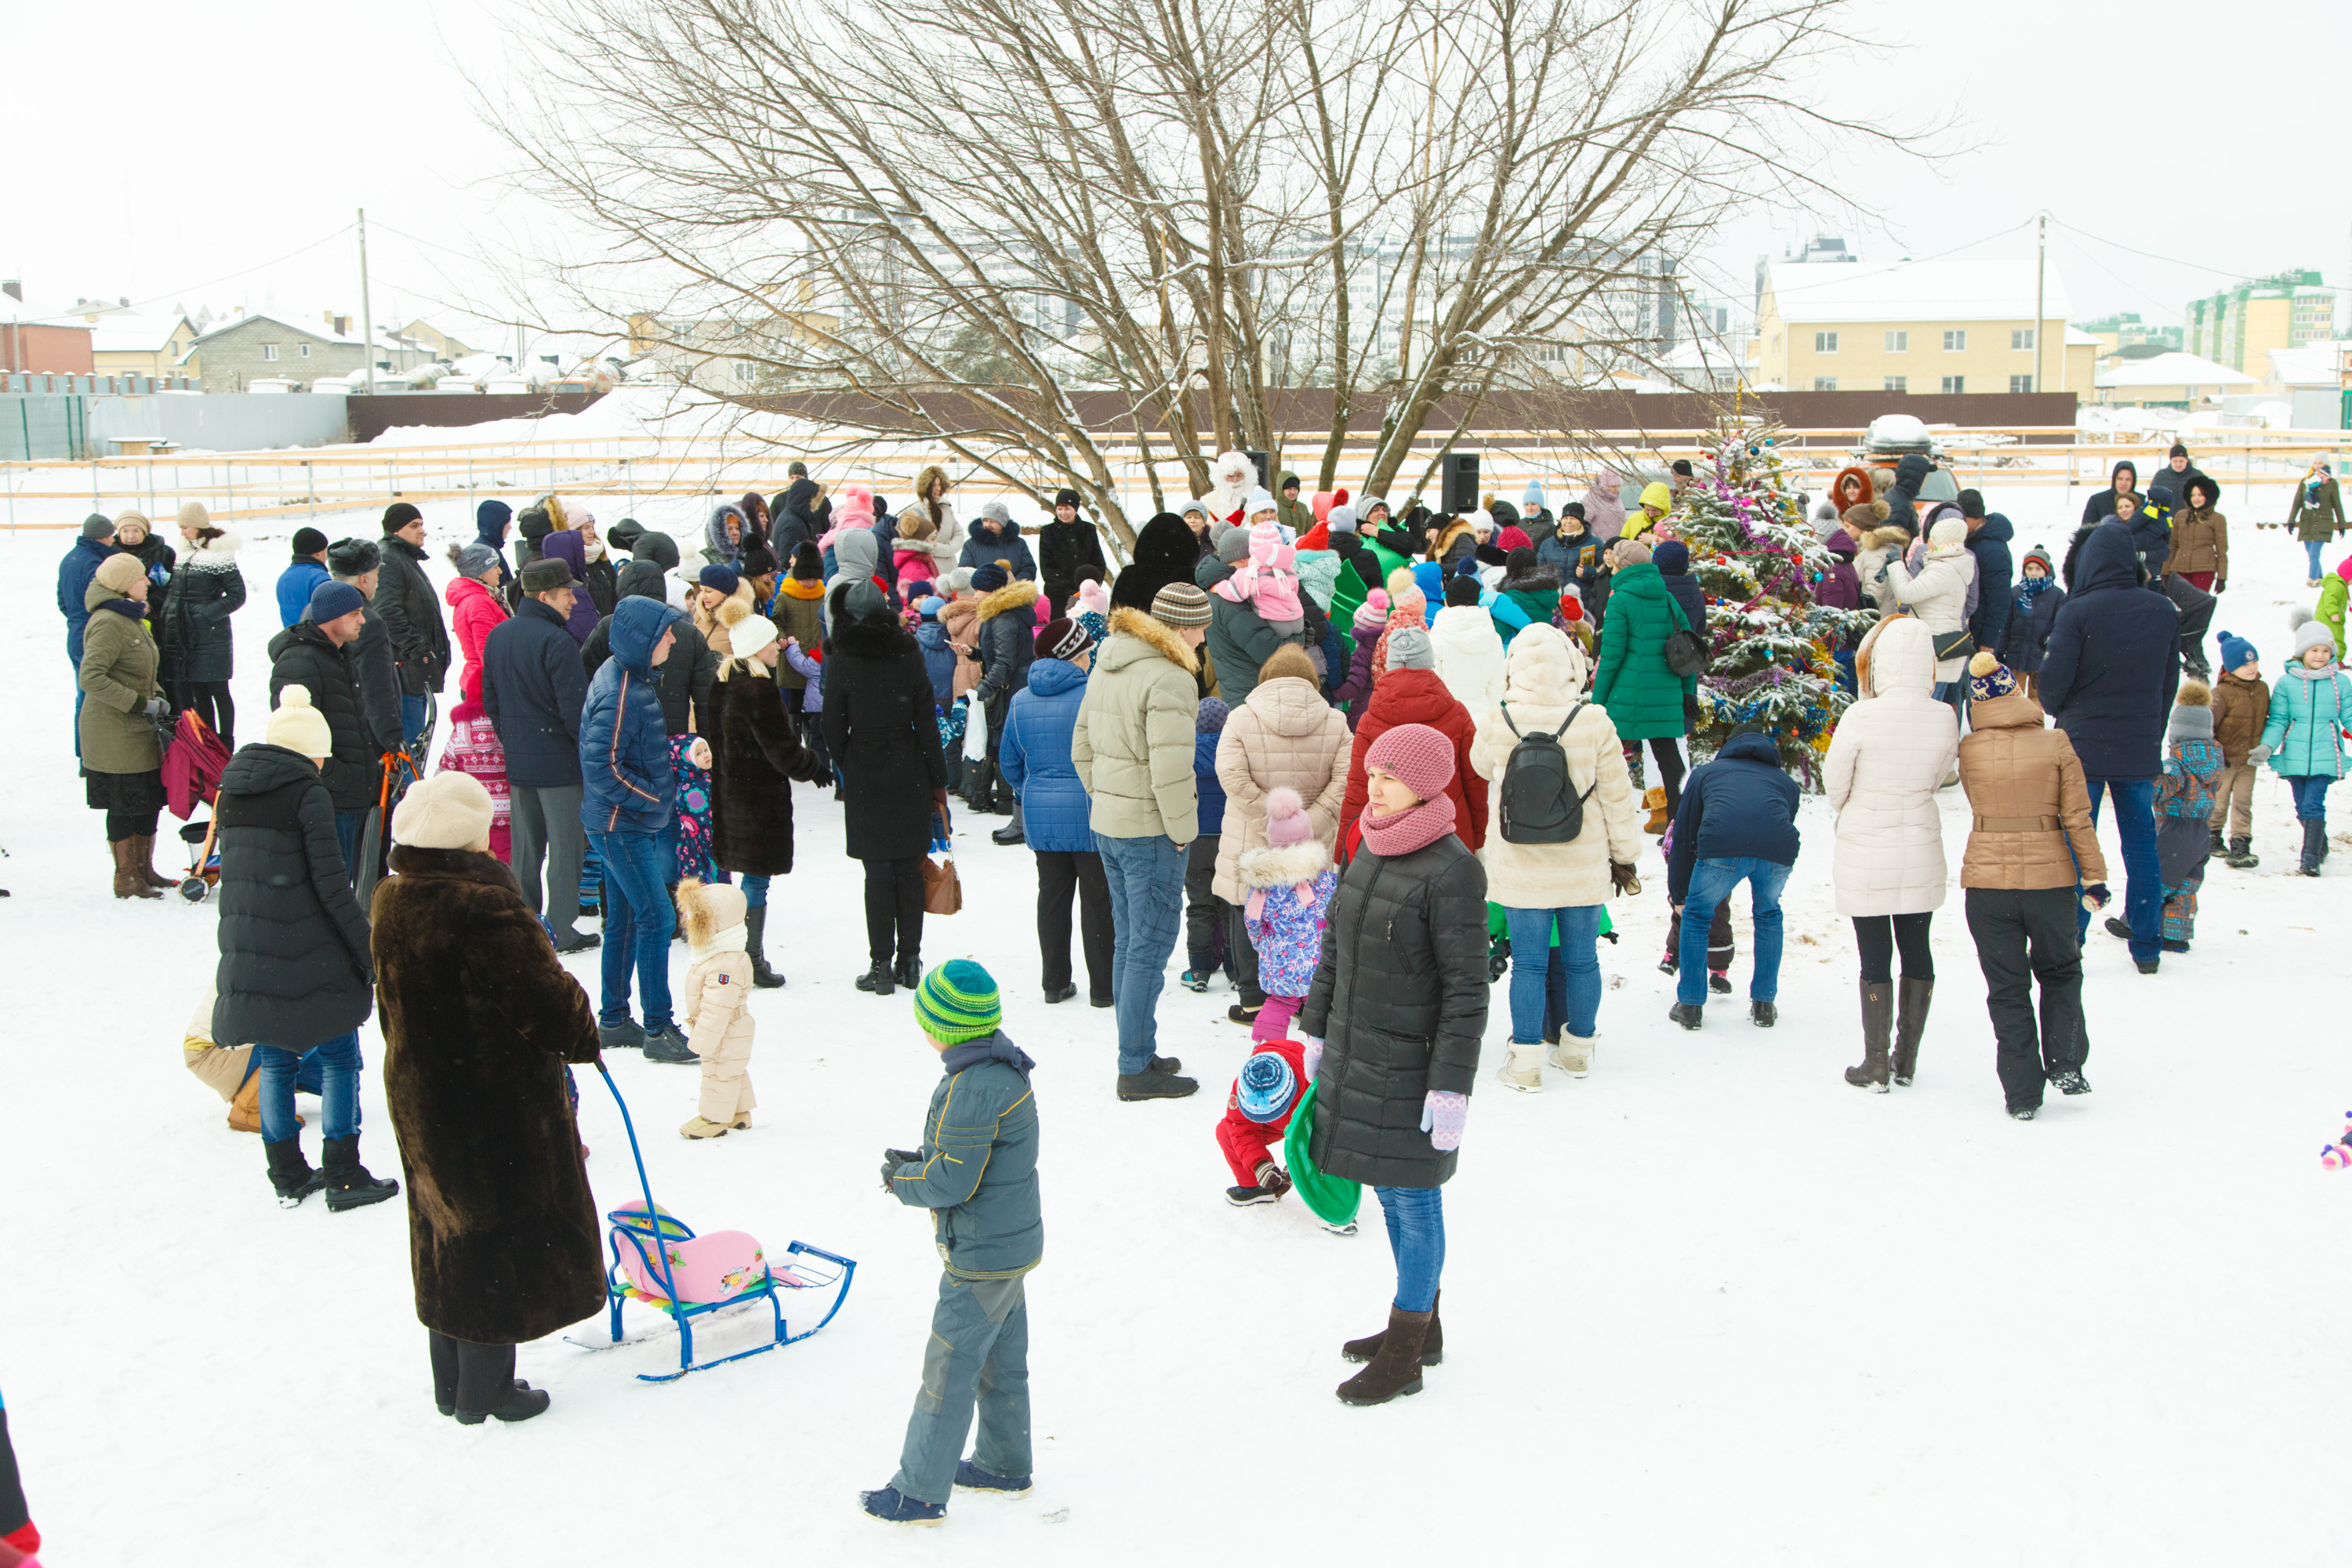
<point x="206" y="589"/>
<point x="294" y="967"/>
<point x="304" y="656"/>
<point x="1400" y="1000"/>
<point x="882" y="728"/>
<point x="411" y="609"/>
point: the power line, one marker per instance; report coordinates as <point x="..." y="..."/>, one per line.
<point x="2150" y="255"/>
<point x="193" y="288"/>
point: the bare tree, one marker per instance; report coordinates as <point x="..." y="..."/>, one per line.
<point x="1063" y="237"/>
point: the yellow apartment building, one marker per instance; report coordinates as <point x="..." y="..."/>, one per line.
<point x="1948" y="327"/>
<point x="2238" y="327"/>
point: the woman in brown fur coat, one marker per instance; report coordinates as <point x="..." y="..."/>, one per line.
<point x="479" y="1020"/>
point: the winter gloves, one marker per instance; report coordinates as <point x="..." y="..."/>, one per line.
<point x="1312" y="1058"/>
<point x="157" y="709"/>
<point x="894" y="1158"/>
<point x="1441" y="1117"/>
<point x="2259" y="756"/>
<point x="2095" y="896"/>
<point x="1624" y="879"/>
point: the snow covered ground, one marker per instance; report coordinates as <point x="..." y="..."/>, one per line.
<point x="1709" y="1304"/>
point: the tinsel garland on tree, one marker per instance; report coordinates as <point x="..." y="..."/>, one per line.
<point x="1757" y="558"/>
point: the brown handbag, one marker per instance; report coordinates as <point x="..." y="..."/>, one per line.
<point x="943" y="893"/>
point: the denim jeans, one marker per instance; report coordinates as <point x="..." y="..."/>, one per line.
<point x="2310" y="799"/>
<point x="1536" y="975"/>
<point x="637" y="925"/>
<point x="1416" y="1222"/>
<point x="1147" y="910"/>
<point x="417" y="727"/>
<point x="755" y="892"/>
<point x="339" y="1087"/>
<point x="1712" y="881"/>
<point x="2310" y="553"/>
<point x="978" y="1353"/>
<point x="2143" y="878"/>
<point x="349" y="827"/>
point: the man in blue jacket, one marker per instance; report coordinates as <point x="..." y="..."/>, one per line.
<point x="1736" y="822"/>
<point x="305" y="572"/>
<point x="627" y="792"/>
<point x="976" y="1172"/>
<point x="2109" y="681"/>
<point x="534" y="689"/>
<point x="74" y="573"/>
<point x="1989" y="534"/>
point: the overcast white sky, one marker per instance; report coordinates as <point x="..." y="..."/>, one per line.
<point x="183" y="154"/>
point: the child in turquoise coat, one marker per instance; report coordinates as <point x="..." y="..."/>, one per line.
<point x="2304" y="739"/>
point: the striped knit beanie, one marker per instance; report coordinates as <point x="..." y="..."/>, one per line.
<point x="958" y="1002"/>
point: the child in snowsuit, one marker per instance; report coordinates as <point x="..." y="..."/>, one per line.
<point x="2303" y="738"/>
<point x="1721" y="947"/>
<point x="1205" y="914"/>
<point x="689" y="823"/>
<point x="715" y="1008"/>
<point x="976" y="1172"/>
<point x="1256" y="1116"/>
<point x="1289" y="880"/>
<point x="1267" y="582"/>
<point x="2184" y="809"/>
<point x="2241" y="706"/>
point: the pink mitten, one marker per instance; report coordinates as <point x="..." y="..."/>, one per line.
<point x="1442" y="1116"/>
<point x="1312" y="1056"/>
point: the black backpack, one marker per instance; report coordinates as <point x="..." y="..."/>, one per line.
<point x="1686" y="650"/>
<point x="1538" y="803"/>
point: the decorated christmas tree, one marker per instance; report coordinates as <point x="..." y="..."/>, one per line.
<point x="1757" y="558"/>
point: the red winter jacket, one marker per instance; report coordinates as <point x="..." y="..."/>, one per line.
<point x="476" y="612"/>
<point x="1418" y="697"/>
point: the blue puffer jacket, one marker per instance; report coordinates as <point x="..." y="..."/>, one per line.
<point x="74" y="572"/>
<point x="1035" y="757"/>
<point x="2114" y="661"/>
<point x="1204" y="780"/>
<point x="939" y="661"/>
<point x="628" y="786"/>
<point x="294" y="586"/>
<point x="1742" y="806"/>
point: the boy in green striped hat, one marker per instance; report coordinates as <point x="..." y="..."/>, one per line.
<point x="976" y="1172"/>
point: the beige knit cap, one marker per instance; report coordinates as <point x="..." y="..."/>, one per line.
<point x="448" y="811"/>
<point x="298" y="726"/>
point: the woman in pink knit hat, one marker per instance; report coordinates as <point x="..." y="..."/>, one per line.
<point x="1391" y="1025"/>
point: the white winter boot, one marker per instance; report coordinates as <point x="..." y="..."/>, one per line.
<point x="1524" y="1072"/>
<point x="1573" y="1055"/>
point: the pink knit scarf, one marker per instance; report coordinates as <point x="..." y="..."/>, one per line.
<point x="1414" y="827"/>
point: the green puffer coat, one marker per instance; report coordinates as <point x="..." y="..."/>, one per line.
<point x="118" y="677"/>
<point x="2309" y="709"/>
<point x="1644" y="698"/>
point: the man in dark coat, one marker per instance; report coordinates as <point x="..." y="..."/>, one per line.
<point x="533" y="688"/>
<point x="684" y="678"/>
<point x="360" y="562"/>
<point x="1989" y="538"/>
<point x="315" y="653"/>
<point x="74" y="572"/>
<point x="2109" y="681"/>
<point x="412" y="613"/>
<point x="881" y="729"/>
<point x="1672" y="558"/>
<point x="1166" y="551"/>
<point x="1736" y="822"/>
<point x="994" y="536"/>
<point x="628" y="790"/>
<point x="492" y="517"/>
<point x="294" y="969"/>
<point x="479" y="1020"/>
<point x="1063" y="546"/>
<point x="795" y="515"/>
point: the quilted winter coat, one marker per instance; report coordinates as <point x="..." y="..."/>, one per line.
<point x="474" y="611"/>
<point x="206" y="589"/>
<point x="1892" y="749"/>
<point x="1937" y="594"/>
<point x="1035" y="757"/>
<point x="2033" y="820"/>
<point x="1418" y="697"/>
<point x="2309" y="712"/>
<point x="1644" y="699"/>
<point x="294" y="967"/>
<point x="1399" y="999"/>
<point x="1469" y="656"/>
<point x="1284" y="737"/>
<point x="1133" y="746"/>
<point x="1546" y="681"/>
<point x="117" y="677"/>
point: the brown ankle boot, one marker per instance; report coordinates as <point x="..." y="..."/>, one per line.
<point x="1396" y="1369"/>
<point x="1433" y="1344"/>
<point x="127" y="882"/>
<point x="142" y="860"/>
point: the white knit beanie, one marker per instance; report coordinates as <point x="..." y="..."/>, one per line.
<point x="298" y="726"/>
<point x="448" y="811"/>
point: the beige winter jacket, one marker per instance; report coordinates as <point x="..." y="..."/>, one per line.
<point x="1283" y="736"/>
<point x="1544" y="677"/>
<point x="944" y="540"/>
<point x="2025" y="785"/>
<point x="1132" y="745"/>
<point x="1890" y="752"/>
<point x="960" y="621"/>
<point x="1937" y="594"/>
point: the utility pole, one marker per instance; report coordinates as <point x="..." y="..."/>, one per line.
<point x="2040" y="326"/>
<point x="367" y="315"/>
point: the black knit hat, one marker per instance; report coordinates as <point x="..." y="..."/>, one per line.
<point x="808" y="563"/>
<point x="399" y="515"/>
<point x="1461" y="590"/>
<point x="308" y="542"/>
<point x="1065" y="498"/>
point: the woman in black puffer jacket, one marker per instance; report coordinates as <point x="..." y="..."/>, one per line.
<point x="198" y="647"/>
<point x="1401" y="997"/>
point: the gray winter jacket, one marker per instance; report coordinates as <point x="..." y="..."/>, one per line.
<point x="977" y="1174"/>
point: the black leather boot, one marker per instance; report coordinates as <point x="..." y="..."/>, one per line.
<point x="1877" y="1029"/>
<point x="289" y="1173"/>
<point x="755" y="932"/>
<point x="347" y="1182"/>
<point x="1910" y="1025"/>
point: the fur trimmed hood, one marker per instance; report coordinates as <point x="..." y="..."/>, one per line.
<point x="1017" y="595"/>
<point x="214" y="555"/>
<point x="1282" y="866"/>
<point x="1159" y="638"/>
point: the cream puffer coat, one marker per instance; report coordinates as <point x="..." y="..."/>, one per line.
<point x="1283" y="736"/>
<point x="1890" y="752"/>
<point x="1544" y="678"/>
<point x="1469" y="656"/>
<point x="1937" y="594"/>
